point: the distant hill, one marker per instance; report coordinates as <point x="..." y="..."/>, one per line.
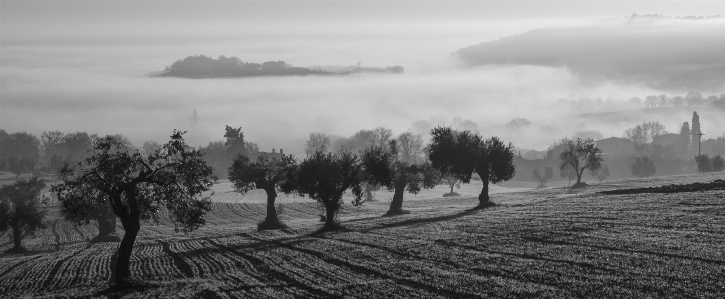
<point x="662" y="52"/>
<point x="206" y="67"/>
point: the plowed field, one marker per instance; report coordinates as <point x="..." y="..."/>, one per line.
<point x="543" y="243"/>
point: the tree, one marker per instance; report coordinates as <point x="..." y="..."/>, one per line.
<point x="270" y="175"/>
<point x="453" y="153"/>
<point x="542" y="179"/>
<point x="234" y="142"/>
<point x="695" y="128"/>
<point x="137" y="187"/>
<point x="318" y="142"/>
<point x="693" y="98"/>
<point x="643" y="167"/>
<point x="20" y="144"/>
<point x="655" y="129"/>
<point x="252" y="147"/>
<point x="451" y="181"/>
<point x="581" y="155"/>
<point x="406" y="168"/>
<point x="678" y="101"/>
<point x="567" y="173"/>
<point x="20" y="209"/>
<point x="494" y="163"/>
<point x="381" y="136"/>
<point x="94" y="207"/>
<point x="325" y="177"/>
<point x="683" y="143"/>
<point x="602" y="173"/>
<point x="651" y="101"/>
<point x="149" y="147"/>
<point x="703" y="163"/>
<point x="717" y="163"/>
<point x="518" y="123"/>
<point x="51" y="142"/>
<point x="635" y="102"/>
<point x="76" y="146"/>
<point x="20" y="165"/>
<point x="645" y="134"/>
<point x="664" y="101"/>
<point x="596" y="135"/>
<point x="459" y="153"/>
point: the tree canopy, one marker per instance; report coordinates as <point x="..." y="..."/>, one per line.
<point x="173" y="177"/>
<point x="21" y="208"/>
<point x="459" y="153"/>
<point x="269" y="174"/>
<point x="401" y="166"/>
<point x="494" y="163"/>
<point x="580" y="155"/>
<point x="325" y="177"/>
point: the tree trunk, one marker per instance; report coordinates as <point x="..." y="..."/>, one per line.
<point x="271" y="210"/>
<point x="330" y="220"/>
<point x="102" y="225"/>
<point x="483" y="197"/>
<point x="106" y="226"/>
<point x="368" y="192"/>
<point x="17" y="237"/>
<point x="396" y="206"/>
<point x="579" y="177"/>
<point x="131" y="224"/>
<point x="125" y="249"/>
<point x="111" y="229"/>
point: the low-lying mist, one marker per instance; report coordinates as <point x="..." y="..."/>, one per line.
<point x="280" y="112"/>
<point x="81" y="78"/>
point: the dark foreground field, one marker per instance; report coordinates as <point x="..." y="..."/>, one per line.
<point x="544" y="243"/>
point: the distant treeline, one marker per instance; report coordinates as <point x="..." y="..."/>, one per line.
<point x="202" y="66"/>
<point x="693" y="98"/>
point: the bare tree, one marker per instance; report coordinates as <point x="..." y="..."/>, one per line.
<point x="149" y="147"/>
<point x="581" y="155"/>
<point x="318" y="142"/>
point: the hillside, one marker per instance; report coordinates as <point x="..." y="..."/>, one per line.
<point x="661" y="52"/>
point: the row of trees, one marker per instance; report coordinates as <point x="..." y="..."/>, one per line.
<point x="22" y="152"/>
<point x="692" y="98"/>
<point x="136" y="186"/>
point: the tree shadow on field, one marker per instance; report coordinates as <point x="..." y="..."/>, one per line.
<point x="135" y="287"/>
<point x="419" y="221"/>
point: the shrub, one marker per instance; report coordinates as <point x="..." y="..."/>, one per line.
<point x="643" y="167"/>
<point x="703" y="163"/>
<point x="717" y="163"/>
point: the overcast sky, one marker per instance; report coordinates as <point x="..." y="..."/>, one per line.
<point x="83" y="66"/>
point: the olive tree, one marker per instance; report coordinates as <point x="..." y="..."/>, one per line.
<point x="580" y="155"/>
<point x="270" y="175"/>
<point x="542" y="179"/>
<point x="407" y="168"/>
<point x="137" y="187"/>
<point x="96" y="206"/>
<point x="460" y="153"/>
<point x="453" y="153"/>
<point x="21" y="209"/>
<point x="494" y="163"/>
<point x="325" y="177"/>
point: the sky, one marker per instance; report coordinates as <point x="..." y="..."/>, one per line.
<point x="84" y="66"/>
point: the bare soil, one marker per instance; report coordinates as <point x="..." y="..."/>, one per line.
<point x="551" y="242"/>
